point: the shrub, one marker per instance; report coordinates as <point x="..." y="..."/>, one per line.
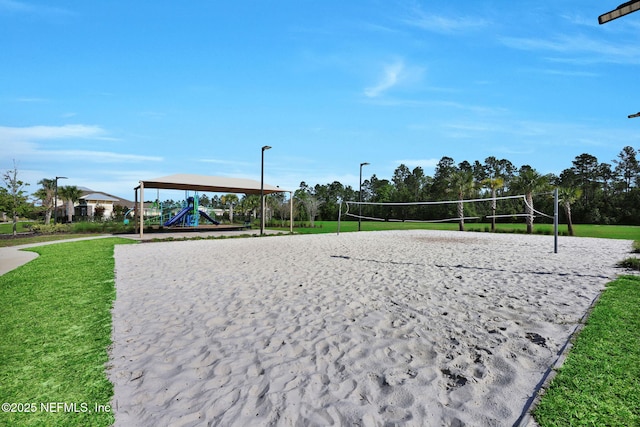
<point x="49" y="228"/>
<point x="102" y="227"/>
<point x="632" y="263"/>
<point x="98" y="213"/>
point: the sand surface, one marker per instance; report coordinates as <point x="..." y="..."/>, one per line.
<point x="411" y="328"/>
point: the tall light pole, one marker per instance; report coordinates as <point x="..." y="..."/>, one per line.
<point x="360" y="197"/>
<point x="265" y="148"/>
<point x="55" y="202"/>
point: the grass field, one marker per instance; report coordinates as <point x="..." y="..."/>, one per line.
<point x="581" y="230"/>
<point x="56" y="330"/>
<point x="39" y="239"/>
<point x="7" y="227"/>
<point x="599" y="382"/>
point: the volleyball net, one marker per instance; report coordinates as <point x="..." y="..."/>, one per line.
<point x="489" y="208"/>
<point x="428" y="211"/>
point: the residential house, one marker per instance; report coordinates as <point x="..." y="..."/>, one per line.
<point x="92" y="201"/>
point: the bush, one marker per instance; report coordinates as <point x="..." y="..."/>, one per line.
<point x="102" y="227"/>
<point x="49" y="228"/>
<point x="632" y="263"/>
<point x="82" y="228"/>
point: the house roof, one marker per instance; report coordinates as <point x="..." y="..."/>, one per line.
<point x="214" y="184"/>
<point x="99" y="197"/>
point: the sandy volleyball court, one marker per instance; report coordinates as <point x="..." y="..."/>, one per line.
<point x="413" y="328"/>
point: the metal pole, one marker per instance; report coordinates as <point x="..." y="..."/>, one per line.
<point x="360" y="201"/>
<point x="55" y="205"/>
<point x="339" y="213"/>
<point x="555" y="221"/>
<point x="291" y="212"/>
<point x="360" y="198"/>
<point x="136" y="209"/>
<point x="266" y="147"/>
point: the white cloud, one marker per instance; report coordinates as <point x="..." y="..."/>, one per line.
<point x="578" y="49"/>
<point x="443" y="24"/>
<point x="28" y="8"/>
<point x="25" y="143"/>
<point x="31" y="133"/>
<point x="100" y="156"/>
<point x="32" y="99"/>
<point x="391" y="77"/>
<point x="14" y="6"/>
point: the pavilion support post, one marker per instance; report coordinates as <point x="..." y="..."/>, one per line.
<point x="141" y="210"/>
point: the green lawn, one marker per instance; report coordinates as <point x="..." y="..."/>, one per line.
<point x="56" y="328"/>
<point x="581" y="230"/>
<point x="599" y="382"/>
<point x="7" y="227"/>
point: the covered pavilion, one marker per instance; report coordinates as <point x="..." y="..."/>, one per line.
<point x="212" y="184"/>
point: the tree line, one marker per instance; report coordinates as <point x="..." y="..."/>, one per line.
<point x="591" y="192"/>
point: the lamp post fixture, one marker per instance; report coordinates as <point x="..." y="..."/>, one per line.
<point x="623" y="9"/>
<point x="360" y="197"/>
<point x="55" y="202"/>
<point x="631" y="116"/>
<point x="265" y="148"/>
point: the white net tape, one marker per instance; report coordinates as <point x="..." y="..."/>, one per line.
<point x="444" y="202"/>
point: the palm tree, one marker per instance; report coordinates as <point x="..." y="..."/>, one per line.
<point x="529" y="181"/>
<point x="567" y="196"/>
<point x="46" y="195"/>
<point x="71" y="194"/>
<point x="251" y="203"/>
<point x="231" y="200"/>
<point x="493" y="184"/>
<point x="461" y="182"/>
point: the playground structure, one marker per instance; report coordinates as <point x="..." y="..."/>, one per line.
<point x="190" y="182"/>
<point x="185" y="214"/>
<point x="190" y="215"/>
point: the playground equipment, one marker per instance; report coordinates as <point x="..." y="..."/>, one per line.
<point x="126" y="215"/>
<point x="190" y="215"/>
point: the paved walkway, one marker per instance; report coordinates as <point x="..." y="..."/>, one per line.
<point x="13" y="257"/>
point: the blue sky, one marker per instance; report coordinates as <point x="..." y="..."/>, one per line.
<point x="111" y="92"/>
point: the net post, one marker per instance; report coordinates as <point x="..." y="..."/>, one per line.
<point x="555" y="220"/>
<point x="291" y="212"/>
<point x="339" y="214"/>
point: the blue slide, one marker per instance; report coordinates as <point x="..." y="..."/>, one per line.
<point x="187" y="211"/>
<point x="179" y="216"/>
<point x="204" y="214"/>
